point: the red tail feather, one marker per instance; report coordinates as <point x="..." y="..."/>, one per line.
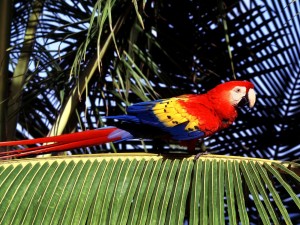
<point x="65" y="142"/>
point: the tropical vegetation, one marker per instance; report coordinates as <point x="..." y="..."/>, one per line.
<point x="67" y="64"/>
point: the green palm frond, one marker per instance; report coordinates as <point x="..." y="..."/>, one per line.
<point x="145" y="189"/>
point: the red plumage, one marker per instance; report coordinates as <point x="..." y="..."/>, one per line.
<point x="213" y="108"/>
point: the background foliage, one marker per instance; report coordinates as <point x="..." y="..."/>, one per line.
<point x="72" y="71"/>
<point x="157" y="50"/>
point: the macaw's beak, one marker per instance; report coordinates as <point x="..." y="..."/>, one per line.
<point x="249" y="98"/>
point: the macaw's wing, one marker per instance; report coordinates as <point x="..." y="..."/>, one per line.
<point x="160" y="118"/>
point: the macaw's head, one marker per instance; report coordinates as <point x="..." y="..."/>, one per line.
<point x="235" y="93"/>
<point x="227" y="97"/>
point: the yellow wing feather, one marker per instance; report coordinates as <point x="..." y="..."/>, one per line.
<point x="171" y="113"/>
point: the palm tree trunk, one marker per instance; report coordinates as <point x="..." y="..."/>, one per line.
<point x="5" y="21"/>
<point x="22" y="66"/>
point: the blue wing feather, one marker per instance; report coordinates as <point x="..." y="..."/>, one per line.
<point x="141" y="121"/>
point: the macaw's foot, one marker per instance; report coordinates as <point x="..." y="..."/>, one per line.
<point x="200" y="154"/>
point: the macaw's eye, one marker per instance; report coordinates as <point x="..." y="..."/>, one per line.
<point x="238" y="90"/>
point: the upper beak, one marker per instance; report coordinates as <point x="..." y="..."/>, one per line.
<point x="251" y="97"/>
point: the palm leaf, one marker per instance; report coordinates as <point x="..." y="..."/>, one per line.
<point x="144" y="188"/>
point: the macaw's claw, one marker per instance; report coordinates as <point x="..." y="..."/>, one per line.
<point x="200" y="154"/>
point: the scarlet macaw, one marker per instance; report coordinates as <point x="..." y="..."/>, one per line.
<point x="185" y="118"/>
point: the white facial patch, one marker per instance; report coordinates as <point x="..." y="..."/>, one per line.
<point x="236" y="94"/>
<point x="239" y="92"/>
